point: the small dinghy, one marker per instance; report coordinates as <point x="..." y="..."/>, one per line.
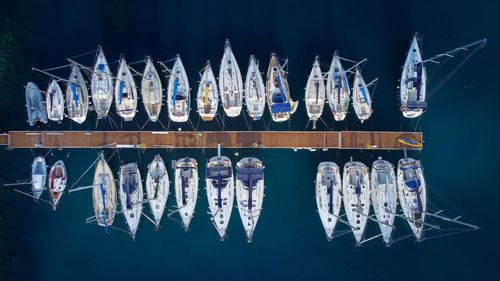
<point x="104" y="193"/>
<point x="186" y="188"/>
<point x="412" y="194"/>
<point x="249" y="192"/>
<point x="38" y="176"/>
<point x="178" y="93"/>
<point x="356" y="190"/>
<point x="34" y="105"/>
<point x="328" y="196"/>
<point x="230" y="83"/>
<point x="220" y="192"/>
<point x="255" y="92"/>
<point x="337" y="89"/>
<point x="151" y="90"/>
<point x="315" y="93"/>
<point x="280" y="104"/>
<point x="55" y="102"/>
<point x="384" y="196"/>
<point x="413" y="82"/>
<point x="77" y="96"/>
<point x="131" y="196"/>
<point x="101" y="85"/>
<point x="125" y="92"/>
<point x="208" y="95"/>
<point x="157" y="188"/>
<point x="57" y="182"/>
<point x="361" y="99"/>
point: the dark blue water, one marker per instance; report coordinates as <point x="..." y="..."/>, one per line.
<point x="460" y="132"/>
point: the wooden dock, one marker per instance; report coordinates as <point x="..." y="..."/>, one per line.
<point x="209" y="139"/>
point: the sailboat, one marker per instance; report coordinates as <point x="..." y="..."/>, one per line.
<point x="125" y="92"/>
<point x="384" y="196"/>
<point x="178" y="93"/>
<point x="186" y="188"/>
<point x="38" y="176"/>
<point x="220" y="192"/>
<point x="57" y="182"/>
<point x="151" y="90"/>
<point x="413" y="82"/>
<point x="34" y="105"/>
<point x="255" y="93"/>
<point x="412" y="194"/>
<point x="208" y="95"/>
<point x="104" y="193"/>
<point x="337" y="89"/>
<point x="315" y="93"/>
<point x="277" y="91"/>
<point x="328" y="196"/>
<point x="101" y="85"/>
<point x="157" y="187"/>
<point x="356" y="190"/>
<point x="131" y="195"/>
<point x="55" y="101"/>
<point x="361" y="99"/>
<point x="230" y="83"/>
<point x="249" y="192"/>
<point x="77" y="96"/>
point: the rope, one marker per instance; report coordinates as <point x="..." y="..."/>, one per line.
<point x="84" y="54"/>
<point x="58" y="67"/>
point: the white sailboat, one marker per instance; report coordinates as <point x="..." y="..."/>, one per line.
<point x="104" y="193"/>
<point x="412" y="194"/>
<point x="157" y="188"/>
<point x="178" y="93"/>
<point x="279" y="101"/>
<point x="356" y="190"/>
<point x="413" y="82"/>
<point x="208" y="95"/>
<point x="101" y="85"/>
<point x="151" y="90"/>
<point x="34" y="105"/>
<point x="255" y="93"/>
<point x="38" y="176"/>
<point x="328" y="196"/>
<point x="315" y="93"/>
<point x="131" y="196"/>
<point x="125" y="92"/>
<point x="249" y="192"/>
<point x="230" y="83"/>
<point x="220" y="192"/>
<point x="384" y="196"/>
<point x="186" y="188"/>
<point x="77" y="96"/>
<point x="337" y="89"/>
<point x="57" y="182"/>
<point x="54" y="101"/>
<point x="361" y="99"/>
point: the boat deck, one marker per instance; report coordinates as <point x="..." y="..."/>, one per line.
<point x="209" y="139"/>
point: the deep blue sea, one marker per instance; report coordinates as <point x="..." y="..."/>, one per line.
<point x="460" y="130"/>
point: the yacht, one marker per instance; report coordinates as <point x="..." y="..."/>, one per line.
<point x="186" y="188"/>
<point x="230" y="83"/>
<point x="328" y="196"/>
<point x="315" y="93"/>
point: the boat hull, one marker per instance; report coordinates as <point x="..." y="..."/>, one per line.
<point x="178" y="93"/>
<point x="38" y="176"/>
<point x="315" y="92"/>
<point x="255" y="93"/>
<point x="77" y="96"/>
<point x="337" y="89"/>
<point x="208" y="95"/>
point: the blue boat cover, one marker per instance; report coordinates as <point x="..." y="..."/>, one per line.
<point x="214" y="172"/>
<point x="100" y="67"/>
<point x="279" y="98"/>
<point x="364" y="94"/>
<point x="75" y="97"/>
<point x="121" y="91"/>
<point x="103" y="193"/>
<point x="250" y="176"/>
<point x="412" y="184"/>
<point x="416" y="105"/>
<point x="281" y="107"/>
<point x="129" y="187"/>
<point x="174" y="95"/>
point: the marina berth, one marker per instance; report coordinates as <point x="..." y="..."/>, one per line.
<point x="57" y="182"/>
<point x="54" y="102"/>
<point x="186" y="189"/>
<point x="361" y="99"/>
<point x="101" y="85"/>
<point x="34" y="105"/>
<point x="413" y="83"/>
<point x="178" y="93"/>
<point x="255" y="93"/>
<point x="328" y="196"/>
<point x="77" y="96"/>
<point x="315" y="93"/>
<point x="337" y="89"/>
<point x="249" y="193"/>
<point x="125" y="92"/>
<point x="151" y="90"/>
<point x="207" y="98"/>
<point x="279" y="101"/>
<point x="230" y="83"/>
<point x="157" y="188"/>
<point x="131" y="196"/>
<point x="38" y="176"/>
<point x="104" y="193"/>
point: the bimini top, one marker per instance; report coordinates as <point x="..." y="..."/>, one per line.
<point x="129" y="187"/>
<point x="280" y="107"/>
<point x="214" y="172"/>
<point x="250" y="176"/>
<point x="412" y="184"/>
